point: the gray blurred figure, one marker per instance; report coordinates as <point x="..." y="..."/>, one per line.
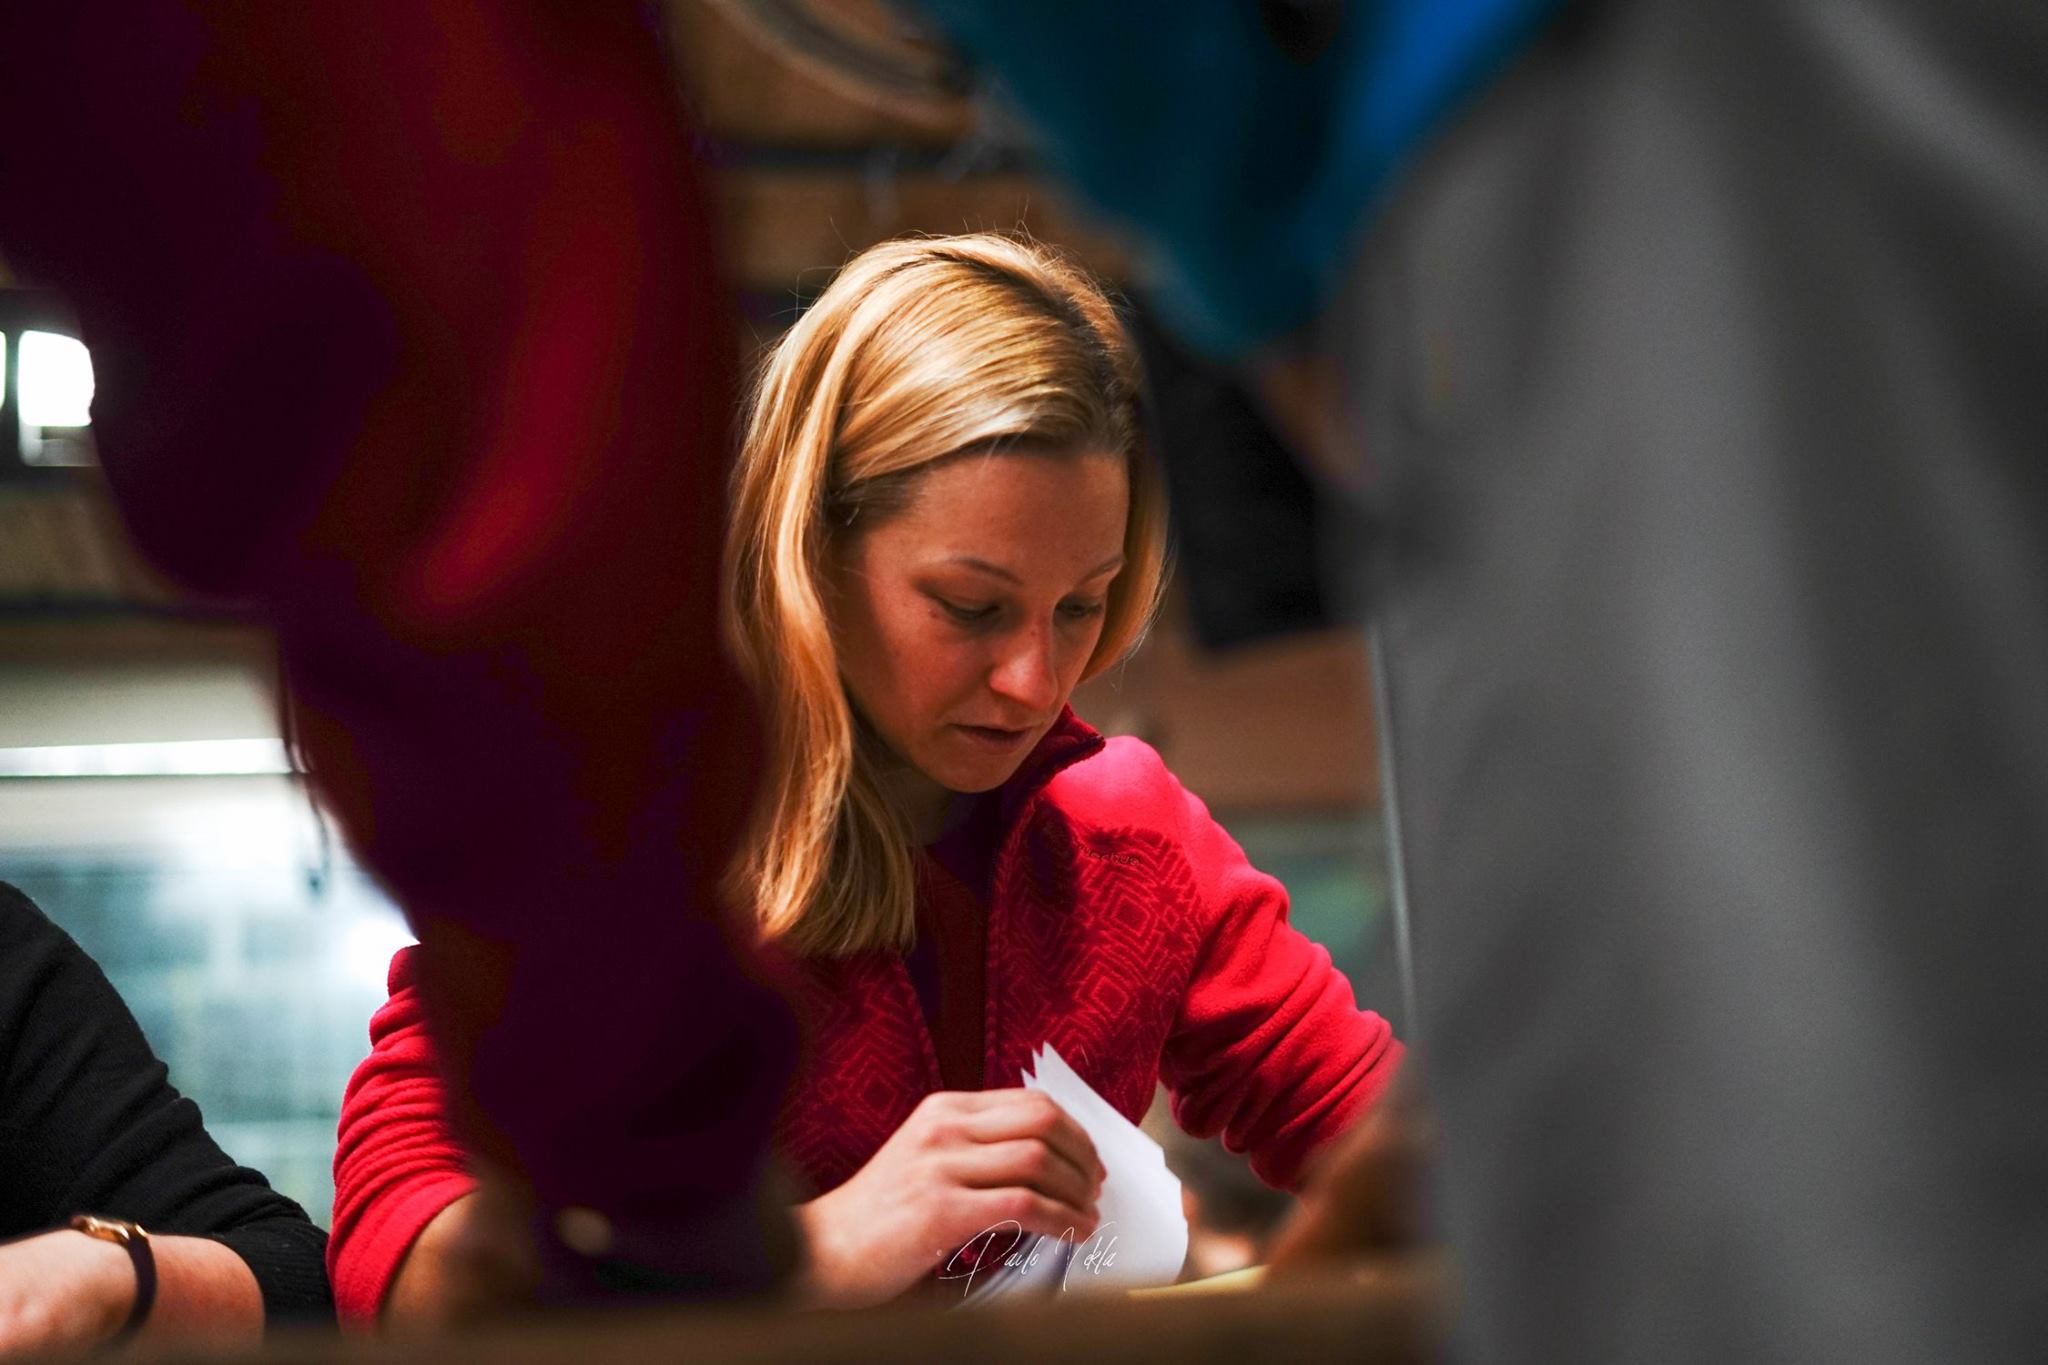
<point x="1694" y="363"/>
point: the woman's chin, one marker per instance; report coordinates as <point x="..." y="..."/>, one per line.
<point x="970" y="774"/>
<point x="976" y="781"/>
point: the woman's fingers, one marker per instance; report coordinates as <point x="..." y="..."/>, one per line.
<point x="1028" y="1162"/>
<point x="995" y="1210"/>
<point x="1006" y="1115"/>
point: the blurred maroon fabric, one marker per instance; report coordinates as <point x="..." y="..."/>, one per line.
<point x="408" y="333"/>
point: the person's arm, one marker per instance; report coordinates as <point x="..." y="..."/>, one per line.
<point x="401" y="1179"/>
<point x="63" y="1291"/>
<point x="465" y="1265"/>
<point x="1270" y="1048"/>
<point x="1365" y="1195"/>
<point x="89" y="1123"/>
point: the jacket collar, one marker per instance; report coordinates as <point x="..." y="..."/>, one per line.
<point x="1070" y="740"/>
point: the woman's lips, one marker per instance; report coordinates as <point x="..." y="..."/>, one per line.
<point x="992" y="738"/>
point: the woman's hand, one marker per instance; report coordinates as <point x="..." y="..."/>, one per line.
<point x="963" y="1164"/>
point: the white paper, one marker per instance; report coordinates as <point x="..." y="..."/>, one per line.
<point x="1141" y="1238"/>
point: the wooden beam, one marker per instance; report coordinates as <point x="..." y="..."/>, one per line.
<point x="746" y="92"/>
<point x="789" y="230"/>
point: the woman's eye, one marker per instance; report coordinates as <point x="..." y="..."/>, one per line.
<point x="1081" y="611"/>
<point x="965" y="614"/>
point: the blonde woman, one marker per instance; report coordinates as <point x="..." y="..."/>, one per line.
<point x="945" y="519"/>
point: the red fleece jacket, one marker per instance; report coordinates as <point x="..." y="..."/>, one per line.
<point x="1124" y="927"/>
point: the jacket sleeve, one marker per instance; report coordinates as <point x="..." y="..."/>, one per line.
<point x="90" y="1123"/>
<point x="1270" y="1048"/>
<point x="396" y="1162"/>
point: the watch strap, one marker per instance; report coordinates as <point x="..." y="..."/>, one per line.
<point x="135" y="1241"/>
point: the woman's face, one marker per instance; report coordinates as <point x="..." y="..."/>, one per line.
<point x="964" y="621"/>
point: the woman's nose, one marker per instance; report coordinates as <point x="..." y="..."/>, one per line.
<point x="1027" y="672"/>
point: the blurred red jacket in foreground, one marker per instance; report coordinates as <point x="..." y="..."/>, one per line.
<point x="408" y="334"/>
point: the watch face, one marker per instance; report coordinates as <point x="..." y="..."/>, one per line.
<point x="107" y="1229"/>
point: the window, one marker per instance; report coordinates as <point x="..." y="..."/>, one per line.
<point x="53" y="399"/>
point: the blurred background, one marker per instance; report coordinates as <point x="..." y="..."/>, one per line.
<point x="146" y="798"/>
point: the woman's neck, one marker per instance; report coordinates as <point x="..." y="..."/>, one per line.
<point x="928" y="808"/>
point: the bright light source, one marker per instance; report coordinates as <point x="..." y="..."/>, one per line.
<point x="165" y="758"/>
<point x="369" y="942"/>
<point x="55" y="381"/>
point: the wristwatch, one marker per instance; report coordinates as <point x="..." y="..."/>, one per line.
<point x="135" y="1241"/>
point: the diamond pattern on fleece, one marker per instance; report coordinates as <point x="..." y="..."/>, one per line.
<point x="1127" y="929"/>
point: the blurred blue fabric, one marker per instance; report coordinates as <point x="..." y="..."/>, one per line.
<point x="1249" y="170"/>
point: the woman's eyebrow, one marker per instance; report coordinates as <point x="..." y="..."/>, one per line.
<point x="1113" y="562"/>
<point x="994" y="570"/>
<point x="998" y="571"/>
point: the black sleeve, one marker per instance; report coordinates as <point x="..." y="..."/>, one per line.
<point x="89" y="1123"/>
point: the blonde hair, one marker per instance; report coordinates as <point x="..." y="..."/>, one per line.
<point x="920" y="350"/>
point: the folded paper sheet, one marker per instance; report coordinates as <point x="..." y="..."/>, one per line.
<point x="1142" y="1237"/>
